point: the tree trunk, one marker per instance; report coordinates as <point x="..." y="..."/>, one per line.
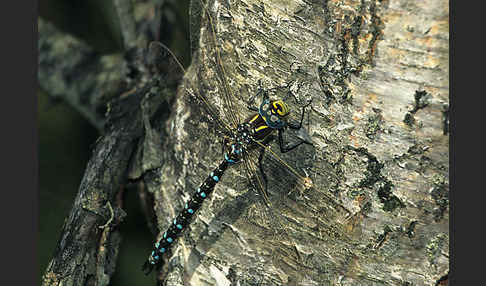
<point x="377" y="212"/>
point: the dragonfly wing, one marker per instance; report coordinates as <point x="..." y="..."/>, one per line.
<point x="304" y="135"/>
<point x="231" y="108"/>
<point x="256" y="178"/>
<point x="157" y="54"/>
<point x="162" y="61"/>
<point x="276" y="220"/>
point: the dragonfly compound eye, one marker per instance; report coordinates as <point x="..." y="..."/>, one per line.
<point x="280" y="108"/>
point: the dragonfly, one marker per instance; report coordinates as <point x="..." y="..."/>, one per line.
<point x="244" y="143"/>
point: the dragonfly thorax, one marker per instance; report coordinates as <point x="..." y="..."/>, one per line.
<point x="237" y="144"/>
<point x="244" y="134"/>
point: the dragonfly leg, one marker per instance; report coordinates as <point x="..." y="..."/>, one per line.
<point x="224" y="144"/>
<point x="290" y="147"/>
<point x="298" y="126"/>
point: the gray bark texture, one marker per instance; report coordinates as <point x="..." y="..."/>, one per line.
<point x="376" y="73"/>
<point x="119" y="95"/>
<point x="377" y="214"/>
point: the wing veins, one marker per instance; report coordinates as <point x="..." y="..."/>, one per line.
<point x="252" y="169"/>
<point x="231" y="111"/>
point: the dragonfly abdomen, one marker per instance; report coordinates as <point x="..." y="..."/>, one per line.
<point x="184" y="218"/>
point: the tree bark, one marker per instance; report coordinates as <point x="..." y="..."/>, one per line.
<point x="377" y="74"/>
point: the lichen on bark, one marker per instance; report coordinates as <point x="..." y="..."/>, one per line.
<point x="374" y="215"/>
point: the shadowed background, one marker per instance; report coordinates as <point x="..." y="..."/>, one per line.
<point x="66" y="138"/>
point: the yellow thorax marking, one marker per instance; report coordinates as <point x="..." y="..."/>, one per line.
<point x="261" y="127"/>
<point x="254" y="118"/>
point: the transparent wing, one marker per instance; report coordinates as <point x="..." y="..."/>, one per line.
<point x="158" y="52"/>
<point x="276" y="220"/>
<point x="287" y="172"/>
<point x="231" y="110"/>
<point x="161" y="61"/>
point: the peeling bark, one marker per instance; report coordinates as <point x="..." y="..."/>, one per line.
<point x="377" y="72"/>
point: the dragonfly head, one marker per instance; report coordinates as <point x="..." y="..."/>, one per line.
<point x="274" y="113"/>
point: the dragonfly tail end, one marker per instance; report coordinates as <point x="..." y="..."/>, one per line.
<point x="147" y="267"/>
